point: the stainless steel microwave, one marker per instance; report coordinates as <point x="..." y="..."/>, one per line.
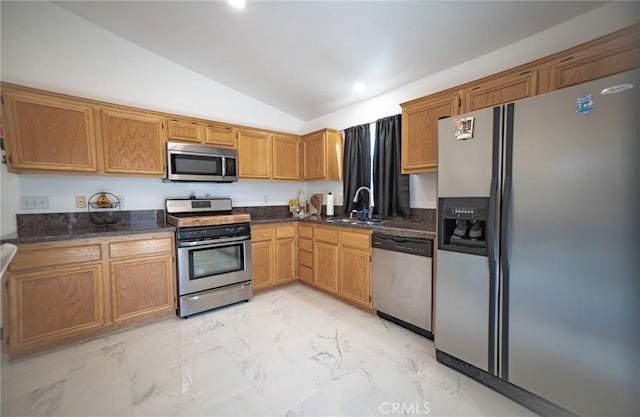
<point x="201" y="163"/>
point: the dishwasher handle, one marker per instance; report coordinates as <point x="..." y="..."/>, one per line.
<point x="412" y="246"/>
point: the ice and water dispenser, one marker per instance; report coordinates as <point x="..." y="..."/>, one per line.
<point x="462" y="224"/>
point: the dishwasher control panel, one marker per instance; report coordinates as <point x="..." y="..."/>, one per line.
<point x="412" y="246"/>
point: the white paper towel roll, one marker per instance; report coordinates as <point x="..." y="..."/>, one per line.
<point x="329" y="204"/>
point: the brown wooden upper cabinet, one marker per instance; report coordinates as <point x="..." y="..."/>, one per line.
<point x="286" y="157"/>
<point x="322" y="155"/>
<point x="199" y="131"/>
<point x="184" y="131"/>
<point x="220" y="135"/>
<point x="46" y="132"/>
<point x="420" y="130"/>
<point x="499" y="90"/>
<point x="609" y="55"/>
<point x="133" y="142"/>
<point x="254" y="154"/>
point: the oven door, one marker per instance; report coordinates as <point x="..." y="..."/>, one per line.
<point x="206" y="265"/>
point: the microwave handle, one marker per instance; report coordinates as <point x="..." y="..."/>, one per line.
<point x="224" y="166"/>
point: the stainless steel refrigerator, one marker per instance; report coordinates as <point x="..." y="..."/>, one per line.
<point x="538" y="262"/>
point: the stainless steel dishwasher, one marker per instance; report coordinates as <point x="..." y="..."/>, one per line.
<point x="402" y="281"/>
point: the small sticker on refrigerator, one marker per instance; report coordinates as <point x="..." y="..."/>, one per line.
<point x="584" y="105"/>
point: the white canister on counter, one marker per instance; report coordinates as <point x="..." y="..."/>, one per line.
<point x="329" y="204"/>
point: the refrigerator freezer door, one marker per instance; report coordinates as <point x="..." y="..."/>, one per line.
<point x="574" y="287"/>
<point x="464" y="166"/>
<point x="462" y="307"/>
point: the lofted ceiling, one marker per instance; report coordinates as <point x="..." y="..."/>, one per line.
<point x="303" y="57"/>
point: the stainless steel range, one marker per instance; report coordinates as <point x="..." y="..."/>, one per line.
<point x="213" y="253"/>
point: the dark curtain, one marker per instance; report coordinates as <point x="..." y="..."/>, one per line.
<point x="356" y="164"/>
<point x="390" y="187"/>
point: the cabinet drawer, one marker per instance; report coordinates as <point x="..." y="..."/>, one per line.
<point x="326" y="235"/>
<point x="305" y="258"/>
<point x="147" y="246"/>
<point x="305" y="274"/>
<point x="285" y="231"/>
<point x="184" y="131"/>
<point x="259" y="234"/>
<point x="305" y="244"/>
<point x="50" y="255"/>
<point x="220" y="135"/>
<point x="305" y="231"/>
<point x="355" y="240"/>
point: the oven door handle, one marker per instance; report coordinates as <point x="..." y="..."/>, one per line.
<point x="212" y="243"/>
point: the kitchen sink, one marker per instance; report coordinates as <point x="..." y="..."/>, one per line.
<point x="355" y="221"/>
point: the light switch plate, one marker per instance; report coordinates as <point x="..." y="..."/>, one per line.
<point x="81" y="201"/>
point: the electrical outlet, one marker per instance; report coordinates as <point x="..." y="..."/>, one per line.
<point x="34" y="202"/>
<point x="81" y="201"/>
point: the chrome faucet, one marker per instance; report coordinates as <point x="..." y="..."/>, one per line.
<point x="371" y="203"/>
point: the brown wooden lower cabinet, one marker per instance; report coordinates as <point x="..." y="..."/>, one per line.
<point x="60" y="292"/>
<point x="342" y="263"/>
<point x="355" y="275"/>
<point x="141" y="286"/>
<point x="273" y="253"/>
<point x="262" y="265"/>
<point x="46" y="305"/>
<point x="325" y="266"/>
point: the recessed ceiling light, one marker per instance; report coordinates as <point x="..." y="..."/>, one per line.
<point x="359" y="87"/>
<point x="238" y="4"/>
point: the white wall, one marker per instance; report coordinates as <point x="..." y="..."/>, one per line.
<point x="45" y="46"/>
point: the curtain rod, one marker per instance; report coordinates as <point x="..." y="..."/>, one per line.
<point x="375" y="121"/>
<point x="370" y="123"/>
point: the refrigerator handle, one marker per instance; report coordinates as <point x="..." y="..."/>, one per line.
<point x="491" y="239"/>
<point x="504" y="241"/>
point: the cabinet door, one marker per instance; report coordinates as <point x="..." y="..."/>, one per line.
<point x="504" y="89"/>
<point x="133" y="143"/>
<point x="184" y="131"/>
<point x="286" y="157"/>
<point x="142" y="286"/>
<point x="49" y="305"/>
<point x="420" y="130"/>
<point x="355" y="276"/>
<point x="285" y="260"/>
<point x="220" y="135"/>
<point x="254" y="154"/>
<point x="45" y="132"/>
<point x="615" y="54"/>
<point x="314" y="151"/>
<point x="262" y="264"/>
<point x="326" y="266"/>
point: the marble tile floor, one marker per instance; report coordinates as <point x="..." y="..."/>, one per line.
<point x="293" y="351"/>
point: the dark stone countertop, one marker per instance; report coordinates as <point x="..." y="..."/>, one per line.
<point x="34" y="228"/>
<point x="390" y="227"/>
<point x="86" y="232"/>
